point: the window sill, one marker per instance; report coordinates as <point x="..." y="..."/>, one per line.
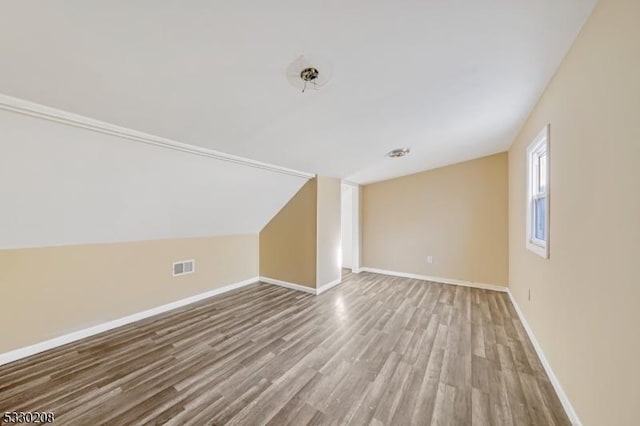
<point x="539" y="250"/>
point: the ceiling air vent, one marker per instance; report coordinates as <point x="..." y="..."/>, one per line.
<point x="400" y="152"/>
<point x="184" y="267"/>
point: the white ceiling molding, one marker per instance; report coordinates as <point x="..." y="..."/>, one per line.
<point x="21" y="106"/>
<point x="67" y="185"/>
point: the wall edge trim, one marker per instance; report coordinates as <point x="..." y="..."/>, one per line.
<point x="21" y="106"/>
<point x="286" y="284"/>
<point x="328" y="286"/>
<point x="303" y="288"/>
<point x="564" y="398"/>
<point x="17" y="354"/>
<point x="441" y="280"/>
<point x="350" y="183"/>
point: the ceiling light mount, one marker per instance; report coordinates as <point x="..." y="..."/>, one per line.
<point x="399" y="152"/>
<point x="304" y="73"/>
<point x="309" y="74"/>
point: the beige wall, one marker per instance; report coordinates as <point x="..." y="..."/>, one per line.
<point x="52" y="291"/>
<point x="457" y="214"/>
<point x="329" y="259"/>
<point x="288" y="241"/>
<point x="584" y="306"/>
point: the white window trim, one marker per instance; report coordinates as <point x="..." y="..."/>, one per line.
<point x="539" y="247"/>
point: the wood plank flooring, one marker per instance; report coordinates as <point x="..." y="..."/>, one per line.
<point x="374" y="350"/>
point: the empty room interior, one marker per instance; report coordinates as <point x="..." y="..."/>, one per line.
<point x="320" y="213"/>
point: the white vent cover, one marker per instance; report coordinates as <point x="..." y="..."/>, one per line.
<point x="184" y="267"/>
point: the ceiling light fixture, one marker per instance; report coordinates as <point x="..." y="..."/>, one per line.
<point x="305" y="73"/>
<point x="400" y="152"/>
<point x="309" y="75"/>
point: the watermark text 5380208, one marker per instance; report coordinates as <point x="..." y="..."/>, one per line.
<point x="9" y="417"/>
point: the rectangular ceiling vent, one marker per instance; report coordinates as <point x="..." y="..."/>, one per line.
<point x="184" y="267"/>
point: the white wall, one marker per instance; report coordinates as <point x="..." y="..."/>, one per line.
<point x="62" y="185"/>
<point x="328" y="231"/>
<point x="347" y="226"/>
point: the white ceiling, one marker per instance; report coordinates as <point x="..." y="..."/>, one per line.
<point x="65" y="185"/>
<point x="452" y="79"/>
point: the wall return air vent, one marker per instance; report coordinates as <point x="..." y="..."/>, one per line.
<point x="184" y="267"/>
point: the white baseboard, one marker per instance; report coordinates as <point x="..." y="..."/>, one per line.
<point x="328" y="286"/>
<point x="451" y="281"/>
<point x="289" y="285"/>
<point x="564" y="399"/>
<point x="293" y="286"/>
<point x="20" y="353"/>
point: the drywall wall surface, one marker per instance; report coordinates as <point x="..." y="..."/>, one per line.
<point x="584" y="298"/>
<point x="52" y="291"/>
<point x="329" y="235"/>
<point x="288" y="241"/>
<point x="455" y="214"/>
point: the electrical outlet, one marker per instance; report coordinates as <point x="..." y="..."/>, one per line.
<point x="429" y="259"/>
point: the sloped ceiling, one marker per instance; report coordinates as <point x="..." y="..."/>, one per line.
<point x="452" y="80"/>
<point x="64" y="185"/>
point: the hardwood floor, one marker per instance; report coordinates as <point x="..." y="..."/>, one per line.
<point x="373" y="350"/>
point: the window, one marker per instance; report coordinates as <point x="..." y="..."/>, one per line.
<point x="538" y="194"/>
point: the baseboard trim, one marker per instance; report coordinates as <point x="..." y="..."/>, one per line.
<point x="328" y="286"/>
<point x="288" y="285"/>
<point x="299" y="287"/>
<point x="564" y="399"/>
<point x="20" y="353"/>
<point x="451" y="281"/>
